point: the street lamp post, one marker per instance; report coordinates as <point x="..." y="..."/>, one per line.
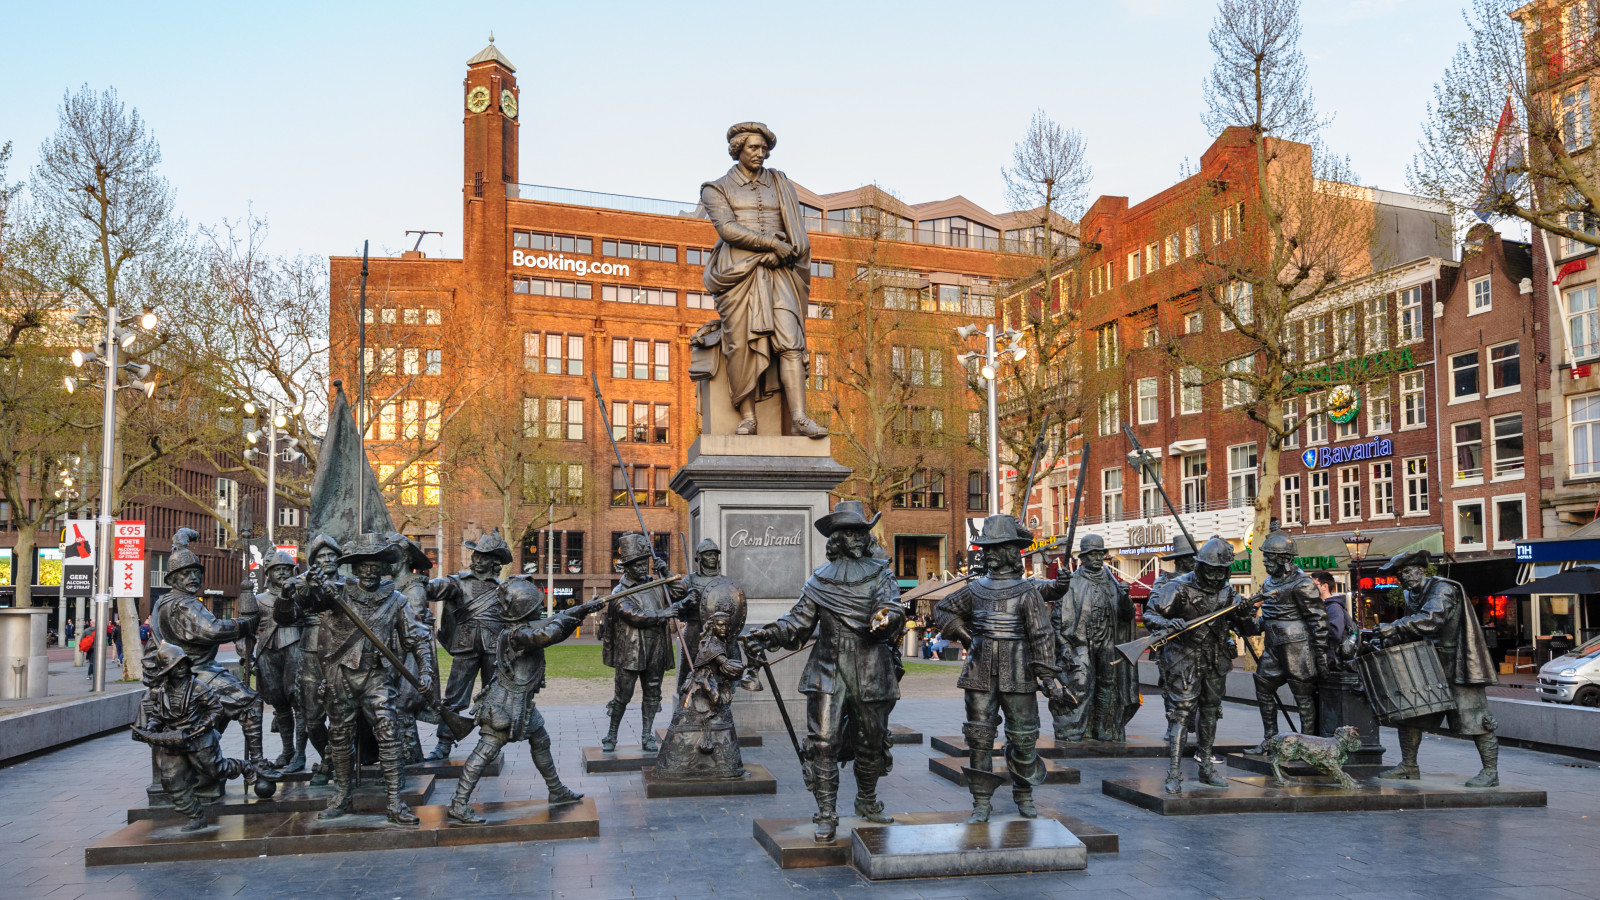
<point x="268" y="435"/>
<point x="120" y="334"/>
<point x="990" y="357"/>
<point x="1356" y="545"/>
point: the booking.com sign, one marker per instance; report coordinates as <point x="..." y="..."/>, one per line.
<point x="1322" y="457"/>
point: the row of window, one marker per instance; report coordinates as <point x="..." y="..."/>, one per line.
<point x="418" y="483"/>
<point x="406" y="361"/>
<point x="926" y="490"/>
<point x="408" y="420"/>
<point x="402" y="315"/>
<point x="583" y="246"/>
<point x="1242" y="484"/>
<point x="1505" y="445"/>
<point x="1467" y="379"/>
<point x="1327" y="495"/>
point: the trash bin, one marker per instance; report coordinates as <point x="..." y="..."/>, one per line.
<point x="913" y="647"/>
<point x="24" y="665"/>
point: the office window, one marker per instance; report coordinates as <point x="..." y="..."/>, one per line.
<point x="1189" y="401"/>
<point x="1321" y="497"/>
<point x="552" y="287"/>
<point x="411" y="361"/>
<point x="1110" y="414"/>
<point x="821" y="269"/>
<point x="1191" y="240"/>
<point x="1150" y="336"/>
<point x="1469" y="524"/>
<point x="634" y="250"/>
<point x="1106" y="352"/>
<point x="554" y="354"/>
<point x="1416" y="470"/>
<point x="1349" y="493"/>
<point x="640" y="422"/>
<point x="1242" y="475"/>
<point x="1377" y="324"/>
<point x="924" y="491"/>
<point x="1289" y="342"/>
<point x="1410" y="330"/>
<point x="1194" y="323"/>
<point x="1468" y="450"/>
<point x="1149" y="491"/>
<point x="1585" y="422"/>
<point x="419" y="419"/>
<point x="1152" y="256"/>
<point x="1149" y="406"/>
<point x="1505" y="367"/>
<point x="558" y="483"/>
<point x="621" y="293"/>
<point x="1194" y="481"/>
<point x="1508" y="458"/>
<point x="1508" y="521"/>
<point x="817" y="376"/>
<point x="1382" y="489"/>
<point x="1111" y="494"/>
<point x="1344" y="331"/>
<point x="1238" y="305"/>
<point x="1237" y="391"/>
<point x="1479" y="296"/>
<point x="649" y="486"/>
<point x="1380" y="418"/>
<point x="701" y="256"/>
<point x="1174" y="248"/>
<point x="1413" y="405"/>
<point x="433" y="362"/>
<point x="1290" y="510"/>
<point x="1577" y="127"/>
<point x="1134" y="269"/>
<point x="558" y="243"/>
<point x="1316" y="339"/>
<point x="1291" y="424"/>
<point x="702" y="300"/>
<point x="1464" y="376"/>
<point x="641" y="360"/>
<point x="1316" y="419"/>
<point x="1344" y="431"/>
<point x="552" y="418"/>
<point x="1583" y="323"/>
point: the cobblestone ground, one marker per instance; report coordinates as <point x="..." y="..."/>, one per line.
<point x="54" y="805"/>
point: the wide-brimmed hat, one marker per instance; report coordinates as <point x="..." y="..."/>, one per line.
<point x="181" y="556"/>
<point x="492" y="544"/>
<point x="1180" y="548"/>
<point x="632" y="546"/>
<point x="412" y="554"/>
<point x="1003" y="529"/>
<point x="1091" y="542"/>
<point x="848" y="514"/>
<point x="1415" y="558"/>
<point x="753" y="128"/>
<point x="371" y="547"/>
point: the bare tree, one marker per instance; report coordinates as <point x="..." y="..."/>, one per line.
<point x="1509" y="130"/>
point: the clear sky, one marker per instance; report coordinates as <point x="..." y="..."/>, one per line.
<point x="342" y="121"/>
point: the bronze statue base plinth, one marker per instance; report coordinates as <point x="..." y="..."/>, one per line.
<point x="1257" y="793"/>
<point x="297" y="797"/>
<point x="949" y="768"/>
<point x="1137" y="746"/>
<point x="940" y="851"/>
<point x="791" y="845"/>
<point x="756" y="780"/>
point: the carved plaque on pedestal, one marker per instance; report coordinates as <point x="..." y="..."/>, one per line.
<point x="767" y="552"/>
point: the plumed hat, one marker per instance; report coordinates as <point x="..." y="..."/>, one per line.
<point x="1003" y="529"/>
<point x="182" y="557"/>
<point x="371" y="547"/>
<point x="1414" y="558"/>
<point x="848" y="514"/>
<point x="492" y="544"/>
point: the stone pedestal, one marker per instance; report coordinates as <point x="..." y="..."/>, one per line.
<point x="1342" y="701"/>
<point x="949" y="768"/>
<point x="1137" y="746"/>
<point x="755" y="780"/>
<point x="1258" y="794"/>
<point x="626" y="758"/>
<point x="790" y="843"/>
<point x="940" y="851"/>
<point x="757" y="497"/>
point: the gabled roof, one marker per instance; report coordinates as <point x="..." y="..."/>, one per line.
<point x="491" y="54"/>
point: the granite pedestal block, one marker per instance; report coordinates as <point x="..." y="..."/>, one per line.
<point x="900" y="734"/>
<point x="1256" y="793"/>
<point x="941" y="851"/>
<point x="369" y="796"/>
<point x="288" y="834"/>
<point x="626" y="758"/>
<point x="1358" y="766"/>
<point x="1137" y="746"/>
<point x="790" y="843"/>
<point x="756" y="780"/>
<point x="949" y="768"/>
<point x="440" y="768"/>
<point x="745" y="740"/>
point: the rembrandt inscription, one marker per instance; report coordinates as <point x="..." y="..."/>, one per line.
<point x="766" y="552"/>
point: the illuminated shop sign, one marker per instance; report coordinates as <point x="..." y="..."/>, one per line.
<point x="1322" y="457"/>
<point x="560" y="262"/>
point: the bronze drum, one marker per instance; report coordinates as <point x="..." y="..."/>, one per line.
<point x="1405" y="682"/>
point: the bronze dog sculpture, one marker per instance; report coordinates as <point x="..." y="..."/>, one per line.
<point x="1326" y="755"/>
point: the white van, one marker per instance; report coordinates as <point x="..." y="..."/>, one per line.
<point x="1573" y="678"/>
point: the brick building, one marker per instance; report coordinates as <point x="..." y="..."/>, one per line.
<point x="556" y="287"/>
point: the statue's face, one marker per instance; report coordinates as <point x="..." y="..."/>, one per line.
<point x="1092" y="559"/>
<point x="483" y="564"/>
<point x="1411" y="577"/>
<point x="1183" y="565"/>
<point x="1211" y="578"/>
<point x="277" y="575"/>
<point x="638" y="569"/>
<point x="1278" y="564"/>
<point x="711" y="562"/>
<point x="369" y="574"/>
<point x="754" y="153"/>
<point x="325" y="559"/>
<point x="855" y="541"/>
<point x="1002" y="559"/>
<point x="720" y="626"/>
<point x="188" y="580"/>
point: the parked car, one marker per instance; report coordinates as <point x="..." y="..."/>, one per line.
<point x="1573" y="678"/>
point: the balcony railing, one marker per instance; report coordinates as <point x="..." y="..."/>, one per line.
<point x="623" y="202"/>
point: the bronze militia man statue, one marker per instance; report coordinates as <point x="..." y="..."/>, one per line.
<point x="470" y="626"/>
<point x="638" y="639"/>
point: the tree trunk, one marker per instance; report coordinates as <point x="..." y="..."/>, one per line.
<point x="132" y="652"/>
<point x="22" y="568"/>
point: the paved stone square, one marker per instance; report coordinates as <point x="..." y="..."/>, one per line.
<point x="54" y="805"/>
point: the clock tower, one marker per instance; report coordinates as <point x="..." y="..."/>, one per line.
<point x="489" y="108"/>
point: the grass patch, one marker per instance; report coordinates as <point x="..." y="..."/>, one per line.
<point x="562" y="661"/>
<point x="929" y="667"/>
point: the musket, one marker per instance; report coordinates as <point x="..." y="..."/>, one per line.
<point x="627" y="480"/>
<point x="1077" y="502"/>
<point x="1132" y="650"/>
<point x="1033" y="468"/>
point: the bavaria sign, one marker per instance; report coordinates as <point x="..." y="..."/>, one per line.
<point x="1323" y="457"/>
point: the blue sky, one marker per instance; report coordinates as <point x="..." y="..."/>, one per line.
<point x="342" y="122"/>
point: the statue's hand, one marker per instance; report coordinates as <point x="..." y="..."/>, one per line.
<point x="782" y="248"/>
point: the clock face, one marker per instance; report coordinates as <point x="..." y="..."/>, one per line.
<point x="478" y="99"/>
<point x="508" y="103"/>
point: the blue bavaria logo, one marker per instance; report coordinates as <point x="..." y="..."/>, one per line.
<point x="1309" y="458"/>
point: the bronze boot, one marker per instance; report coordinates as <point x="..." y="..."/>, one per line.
<point x="1489" y="754"/>
<point x="1410" y="740"/>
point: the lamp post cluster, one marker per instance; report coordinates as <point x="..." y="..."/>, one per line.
<point x="120" y="334"/>
<point x="266" y="440"/>
<point x="990" y="357"/>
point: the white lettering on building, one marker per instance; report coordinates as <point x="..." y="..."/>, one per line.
<point x="559" y="262"/>
<point x="742" y="538"/>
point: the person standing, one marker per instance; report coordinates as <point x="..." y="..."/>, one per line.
<point x="1338" y="616"/>
<point x="470" y="626"/>
<point x="638" y="639"/>
<point x="1002" y="617"/>
<point x="851" y="604"/>
<point x="1093" y="616"/>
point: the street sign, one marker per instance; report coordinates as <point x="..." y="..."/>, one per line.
<point x="127" y="559"/>
<point x="78" y="558"/>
